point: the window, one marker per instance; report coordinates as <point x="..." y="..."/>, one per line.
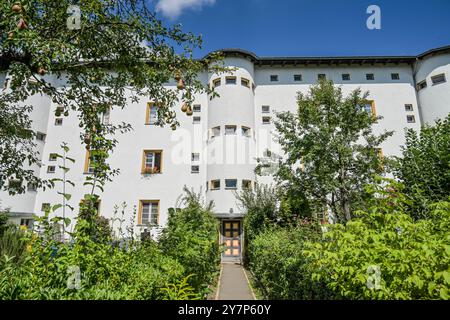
<point x="410" y="119"/>
<point x="51" y="169"/>
<point x="197" y="108"/>
<point x="105" y="116"/>
<point x="58" y="121"/>
<point x="88" y="166"/>
<point x="265" y="109"/>
<point x="26" y="222"/>
<point x="409" y="107"/>
<point x="370" y="76"/>
<point x="246" y="184"/>
<point x="152" y="162"/>
<point x="230" y="130"/>
<point x="245" y="131"/>
<point x="196" y="120"/>
<point x="215" y="184"/>
<point x="422" y="85"/>
<point x="52" y="157"/>
<point x="440" y="78"/>
<point x="245" y="82"/>
<point x="148" y="212"/>
<point x="266" y="120"/>
<point x="346" y="77"/>
<point x="151" y="116"/>
<point x="395" y="76"/>
<point x="230" y="183"/>
<point x="369" y="107"/>
<point x="215" y="132"/>
<point x="40" y="136"/>
<point x="297" y="77"/>
<point x="31" y="186"/>
<point x="45" y="207"/>
<point x="195" y="156"/>
<point x="230" y="80"/>
<point x="321" y="76"/>
<point x="273" y="77"/>
<point x="216" y="83"/>
<point x="195" y="169"/>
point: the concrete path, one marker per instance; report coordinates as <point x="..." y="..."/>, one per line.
<point x="233" y="283"/>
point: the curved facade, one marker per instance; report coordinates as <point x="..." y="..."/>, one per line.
<point x="231" y="134"/>
<point x="433" y="79"/>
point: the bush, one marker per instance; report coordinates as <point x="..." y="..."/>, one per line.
<point x="278" y="263"/>
<point x="381" y="254"/>
<point x="180" y="267"/>
<point x="191" y="237"/>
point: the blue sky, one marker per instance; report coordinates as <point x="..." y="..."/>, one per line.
<point x="312" y="27"/>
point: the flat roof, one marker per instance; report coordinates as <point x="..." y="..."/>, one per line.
<point x="269" y="61"/>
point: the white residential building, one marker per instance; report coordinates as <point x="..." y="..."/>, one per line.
<point x="214" y="151"/>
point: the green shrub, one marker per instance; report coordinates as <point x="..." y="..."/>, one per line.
<point x="12" y="244"/>
<point x="381" y="254"/>
<point x="191" y="238"/>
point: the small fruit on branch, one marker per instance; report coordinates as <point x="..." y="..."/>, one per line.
<point x="16" y="8"/>
<point x="22" y="24"/>
<point x="180" y="84"/>
<point x="185" y="107"/>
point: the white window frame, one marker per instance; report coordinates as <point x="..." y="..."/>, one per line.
<point x="231" y="188"/>
<point x="150" y="207"/>
<point x="232" y="127"/>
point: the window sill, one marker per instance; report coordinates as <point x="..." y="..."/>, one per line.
<point x="231" y="188"/>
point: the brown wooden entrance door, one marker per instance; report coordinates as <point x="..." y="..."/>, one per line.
<point x="232" y="239"/>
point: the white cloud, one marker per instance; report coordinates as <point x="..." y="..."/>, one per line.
<point x="174" y="8"/>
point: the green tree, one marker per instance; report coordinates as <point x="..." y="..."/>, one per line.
<point x="424" y="167"/>
<point x="120" y="51"/>
<point x="330" y="150"/>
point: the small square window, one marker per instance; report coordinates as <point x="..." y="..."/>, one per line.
<point x="52" y="157"/>
<point x="230" y="183"/>
<point x="411" y="119"/>
<point x="422" y="85"/>
<point x="230" y="80"/>
<point x="45" y="207"/>
<point x="440" y="78"/>
<point x="346" y="77"/>
<point x="395" y="76"/>
<point x="215" y="132"/>
<point x="26" y="222"/>
<point x="273" y="77"/>
<point x="297" y="77"/>
<point x="230" y="130"/>
<point x="245" y="82"/>
<point x="245" y="131"/>
<point x="266" y="120"/>
<point x="265" y="109"/>
<point x="197" y="108"/>
<point x="51" y="169"/>
<point x="409" y="107"/>
<point x="370" y="76"/>
<point x="195" y="156"/>
<point x="321" y="76"/>
<point x="196" y="120"/>
<point x="215" y="184"/>
<point x="40" y="136"/>
<point x="148" y="212"/>
<point x="58" y="122"/>
<point x="195" y="169"/>
<point x="216" y="83"/>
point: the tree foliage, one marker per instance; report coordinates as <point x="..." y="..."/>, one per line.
<point x="121" y="52"/>
<point x="424" y="166"/>
<point x="330" y="149"/>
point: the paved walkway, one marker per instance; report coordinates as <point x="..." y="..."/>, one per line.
<point x="233" y="283"/>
